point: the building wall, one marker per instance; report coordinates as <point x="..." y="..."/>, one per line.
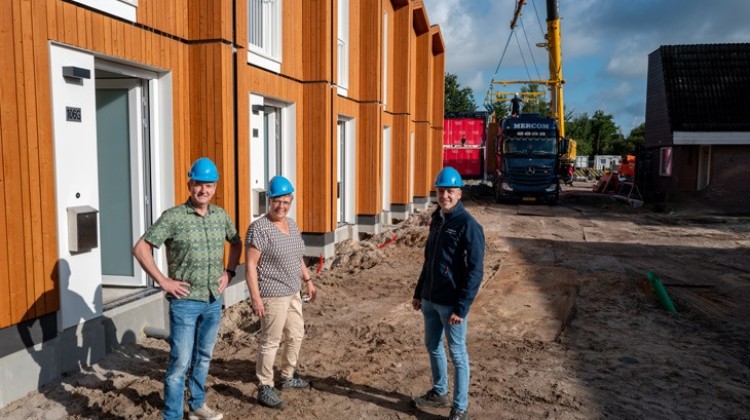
<point x="728" y="187"/>
<point x="658" y="131"/>
<point x="203" y="46"/>
<point x="28" y="250"/>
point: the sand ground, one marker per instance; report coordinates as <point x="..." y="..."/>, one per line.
<point x="566" y="326"/>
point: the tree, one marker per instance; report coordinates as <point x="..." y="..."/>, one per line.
<point x="637" y="137"/>
<point x="458" y="99"/>
<point x="579" y="129"/>
<point x="501" y="109"/>
<point x="604" y="133"/>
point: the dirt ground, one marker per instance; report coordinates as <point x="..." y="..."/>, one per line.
<point x="566" y="326"/>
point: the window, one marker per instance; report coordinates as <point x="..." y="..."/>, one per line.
<point x="665" y="161"/>
<point x="125" y="9"/>
<point x="343" y="47"/>
<point x="264" y="34"/>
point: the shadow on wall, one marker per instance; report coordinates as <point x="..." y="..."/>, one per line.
<point x="73" y="350"/>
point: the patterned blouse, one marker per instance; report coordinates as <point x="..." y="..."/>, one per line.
<point x="280" y="263"/>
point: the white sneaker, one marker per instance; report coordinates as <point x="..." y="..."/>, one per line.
<point x="204" y="413"/>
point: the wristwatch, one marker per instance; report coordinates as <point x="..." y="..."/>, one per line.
<point x="232" y="273"/>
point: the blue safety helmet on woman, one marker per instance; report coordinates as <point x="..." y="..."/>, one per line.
<point x="448" y="178"/>
<point x="203" y="170"/>
<point x="279" y="186"/>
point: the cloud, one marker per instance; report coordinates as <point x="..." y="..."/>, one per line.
<point x="605" y="44"/>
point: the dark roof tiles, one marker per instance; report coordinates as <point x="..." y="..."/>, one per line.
<point x="707" y="86"/>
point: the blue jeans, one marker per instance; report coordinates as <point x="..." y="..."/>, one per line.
<point x="435" y="324"/>
<point x="193" y="326"/>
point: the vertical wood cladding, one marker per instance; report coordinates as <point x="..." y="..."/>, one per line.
<point x="28" y="251"/>
<point x="203" y="45"/>
<point x="369" y="160"/>
<point x="318" y="159"/>
<point x="422" y="161"/>
<point x="318" y="39"/>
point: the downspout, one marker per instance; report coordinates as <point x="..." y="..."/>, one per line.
<point x="235" y="86"/>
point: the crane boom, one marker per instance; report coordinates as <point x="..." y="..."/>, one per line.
<point x="555" y="63"/>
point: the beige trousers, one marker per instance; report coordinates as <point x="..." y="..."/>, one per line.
<point x="281" y="328"/>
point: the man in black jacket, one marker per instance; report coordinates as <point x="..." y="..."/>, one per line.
<point x="449" y="282"/>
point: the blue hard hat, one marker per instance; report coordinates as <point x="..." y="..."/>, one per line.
<point x="279" y="186"/>
<point x="203" y="170"/>
<point x="448" y="178"/>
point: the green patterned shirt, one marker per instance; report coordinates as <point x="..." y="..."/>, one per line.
<point x="195" y="246"/>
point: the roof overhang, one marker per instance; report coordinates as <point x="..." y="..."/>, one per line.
<point x="438" y="47"/>
<point x="421" y="22"/>
<point x="727" y="138"/>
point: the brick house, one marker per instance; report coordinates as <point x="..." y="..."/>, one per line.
<point x="698" y="126"/>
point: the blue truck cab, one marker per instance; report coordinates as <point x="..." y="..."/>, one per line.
<point x="527" y="158"/>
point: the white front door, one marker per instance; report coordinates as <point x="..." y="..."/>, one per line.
<point x="124" y="203"/>
<point x="341" y="174"/>
<point x="268" y="156"/>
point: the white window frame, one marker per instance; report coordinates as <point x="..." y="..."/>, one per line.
<point x="666" y="157"/>
<point x="125" y="9"/>
<point x="288" y="153"/>
<point x="348" y="159"/>
<point x="268" y="54"/>
<point x="343" y="48"/>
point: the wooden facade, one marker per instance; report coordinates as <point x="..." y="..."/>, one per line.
<point x="203" y="45"/>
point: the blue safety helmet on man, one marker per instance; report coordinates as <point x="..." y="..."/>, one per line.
<point x="203" y="170"/>
<point x="279" y="186"/>
<point x="448" y="178"/>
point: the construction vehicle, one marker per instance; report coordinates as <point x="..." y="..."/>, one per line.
<point x="527" y="159"/>
<point x="533" y="173"/>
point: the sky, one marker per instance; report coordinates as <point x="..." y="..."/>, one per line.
<point x="605" y="45"/>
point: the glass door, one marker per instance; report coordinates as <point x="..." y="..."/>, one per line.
<point x="122" y="147"/>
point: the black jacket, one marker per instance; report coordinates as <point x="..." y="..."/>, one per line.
<point x="453" y="261"/>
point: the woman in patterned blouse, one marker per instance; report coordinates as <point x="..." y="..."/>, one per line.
<point x="275" y="273"/>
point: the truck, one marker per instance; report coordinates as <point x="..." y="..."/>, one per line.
<point x="532" y="152"/>
<point x="528" y="156"/>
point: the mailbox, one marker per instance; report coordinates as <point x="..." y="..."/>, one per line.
<point x="82" y="228"/>
<point x="260" y="202"/>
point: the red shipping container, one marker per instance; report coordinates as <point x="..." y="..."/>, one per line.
<point x="463" y="132"/>
<point x="466" y="160"/>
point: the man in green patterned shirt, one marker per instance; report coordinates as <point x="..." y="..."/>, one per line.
<point x="194" y="233"/>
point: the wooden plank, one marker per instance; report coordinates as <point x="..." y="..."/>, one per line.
<point x="60" y="18"/>
<point x="98" y="33"/>
<point x="32" y="215"/>
<point x="89" y="22"/>
<point x="21" y="208"/>
<point x="81" y="27"/>
<point x="51" y="16"/>
<point x="107" y="35"/>
<point x="47" y="246"/>
<point x="70" y="23"/>
<point x="11" y="169"/>
<point x="6" y="50"/>
<point x="120" y="30"/>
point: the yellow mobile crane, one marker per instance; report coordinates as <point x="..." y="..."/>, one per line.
<point x="556" y="81"/>
<point x="533" y="153"/>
